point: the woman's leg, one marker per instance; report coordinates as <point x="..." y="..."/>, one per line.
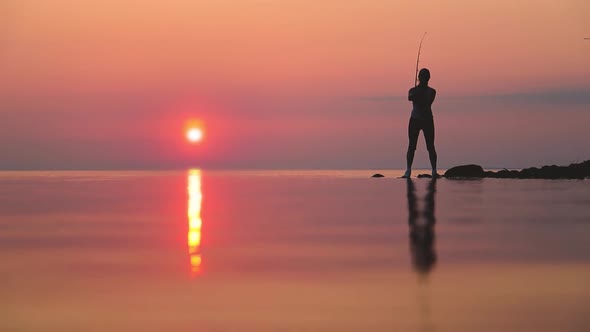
<point x="429" y="138"/>
<point x="413" y="132"/>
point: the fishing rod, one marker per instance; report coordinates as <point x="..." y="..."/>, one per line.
<point x="418" y="60"/>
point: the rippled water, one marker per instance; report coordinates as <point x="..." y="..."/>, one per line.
<point x="291" y="251"/>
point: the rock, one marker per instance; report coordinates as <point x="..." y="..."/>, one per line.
<point x="377" y="175"/>
<point x="581" y="170"/>
<point x="574" y="171"/>
<point x="424" y="176"/>
<point x="465" y="171"/>
<point x="489" y="174"/>
<point x="505" y="174"/>
<point x="529" y="173"/>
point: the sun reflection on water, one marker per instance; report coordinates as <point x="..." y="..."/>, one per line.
<point x="195" y="198"/>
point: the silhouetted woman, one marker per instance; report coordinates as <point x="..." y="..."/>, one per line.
<point x="422" y="96"/>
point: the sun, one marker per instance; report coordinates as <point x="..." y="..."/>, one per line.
<point x="194" y="135"/>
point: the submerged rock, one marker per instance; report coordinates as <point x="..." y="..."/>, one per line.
<point x="424" y="176"/>
<point x="465" y="171"/>
<point x="377" y="175"/>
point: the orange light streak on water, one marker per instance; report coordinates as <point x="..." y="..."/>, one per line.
<point x="195" y="198"/>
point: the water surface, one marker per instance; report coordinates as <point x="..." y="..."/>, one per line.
<point x="291" y="251"/>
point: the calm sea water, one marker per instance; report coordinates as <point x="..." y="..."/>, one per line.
<point x="291" y="251"/>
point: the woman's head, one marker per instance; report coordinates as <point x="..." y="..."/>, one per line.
<point x="424" y="75"/>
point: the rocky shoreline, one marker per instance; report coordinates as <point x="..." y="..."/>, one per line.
<point x="472" y="171"/>
<point x="573" y="171"/>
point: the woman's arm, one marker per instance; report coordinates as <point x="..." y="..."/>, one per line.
<point x="411" y="94"/>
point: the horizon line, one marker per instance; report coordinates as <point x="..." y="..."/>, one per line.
<point x="238" y="169"/>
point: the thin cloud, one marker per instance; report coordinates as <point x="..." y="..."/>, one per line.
<point x="382" y="98"/>
<point x="554" y="97"/>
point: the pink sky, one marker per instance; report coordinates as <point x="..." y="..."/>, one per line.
<point x="289" y="84"/>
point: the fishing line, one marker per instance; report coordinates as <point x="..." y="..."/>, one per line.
<point x="418" y="60"/>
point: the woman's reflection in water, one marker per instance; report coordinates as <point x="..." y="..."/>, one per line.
<point x="421" y="224"/>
